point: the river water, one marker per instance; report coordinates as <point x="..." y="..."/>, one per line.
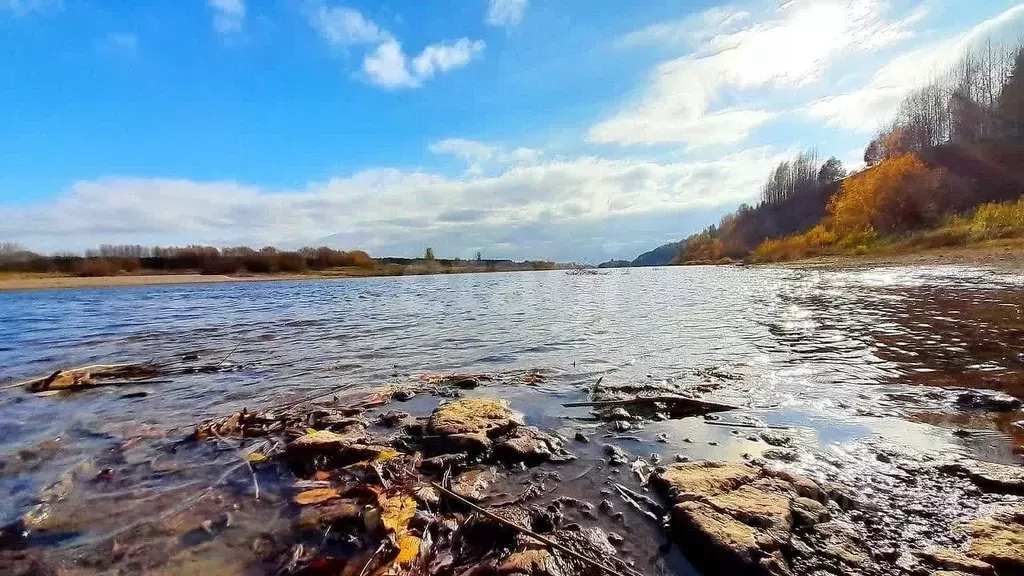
<point x="842" y="357"/>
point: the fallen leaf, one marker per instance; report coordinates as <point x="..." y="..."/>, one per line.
<point x="408" y="550"/>
<point x="256" y="457"/>
<point x="396" y="513"/>
<point x="316" y="496"/>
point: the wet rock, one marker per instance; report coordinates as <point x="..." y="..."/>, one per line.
<point x="952" y="560"/>
<point x="616" y="456"/>
<point x="663" y="438"/>
<point x="999" y="541"/>
<point x="529" y="563"/>
<point x="619" y="414"/>
<point x="403" y="395"/>
<point x="616" y="540"/>
<point x="474" y="484"/>
<point x="775" y="439"/>
<point x="323" y="441"/>
<point x="735" y="517"/>
<point x="528" y="444"/>
<point x="989" y="401"/>
<point x="474" y="416"/>
<point x="392" y="418"/>
<point x="621" y="426"/>
<point x="471" y="444"/>
<point x="581" y="437"/>
<point x="781" y="455"/>
<point x="1019" y="424"/>
<point x="995" y="477"/>
<point x="444" y="462"/>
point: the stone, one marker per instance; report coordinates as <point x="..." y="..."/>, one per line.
<point x="781" y="455"/>
<point x="336" y="513"/>
<point x="840" y="541"/>
<point x="952" y="560"/>
<point x="486" y="416"/>
<point x="392" y="418"/>
<point x="581" y="437"/>
<point x="443" y="462"/>
<point x="989" y="401"/>
<point x="529" y="563"/>
<point x="616" y="456"/>
<point x="807" y="512"/>
<point x="987" y="475"/>
<point x="999" y="541"/>
<point x="474" y="484"/>
<point x="528" y="444"/>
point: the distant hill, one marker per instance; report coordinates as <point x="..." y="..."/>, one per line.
<point x="660" y="256"/>
<point x="615" y="264"/>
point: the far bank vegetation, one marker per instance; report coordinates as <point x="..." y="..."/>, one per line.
<point x="947" y="170"/>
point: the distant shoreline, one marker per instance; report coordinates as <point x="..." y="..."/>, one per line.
<point x="1005" y="254"/>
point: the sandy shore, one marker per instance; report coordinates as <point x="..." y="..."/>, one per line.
<point x="44" y="282"/>
<point x="1002" y="254"/>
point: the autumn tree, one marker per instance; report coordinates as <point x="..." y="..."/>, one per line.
<point x="1011" y="99"/>
<point x="831" y="171"/>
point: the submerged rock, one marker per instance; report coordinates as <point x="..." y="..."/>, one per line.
<point x="737" y="518"/>
<point x="474" y="416"/>
<point x="474" y="484"/>
<point x="990" y="401"/>
<point x="528" y="444"/>
<point x="999" y="541"/>
<point x="987" y="475"/>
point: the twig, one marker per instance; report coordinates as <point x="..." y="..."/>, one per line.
<point x="244" y="458"/>
<point x="225" y="359"/>
<point x="530" y="533"/>
<point x="700" y="404"/>
<point x="745" y="425"/>
<point x="651" y="504"/>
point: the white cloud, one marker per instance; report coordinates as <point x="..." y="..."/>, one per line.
<point x="481" y="157"/>
<point x="734" y="53"/>
<point x="506" y="12"/>
<point x="387" y="64"/>
<point x="395" y="212"/>
<point x="228" y="15"/>
<point x="341" y="26"/>
<point x="863" y="110"/>
<point x="444" y="57"/>
<point x="389" y="67"/>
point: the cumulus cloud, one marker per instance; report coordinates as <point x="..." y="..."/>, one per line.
<point x="506" y="12"/>
<point x="864" y="109"/>
<point x="387" y="65"/>
<point x="481" y="157"/>
<point x="341" y="26"/>
<point x="467" y="213"/>
<point x="731" y="52"/>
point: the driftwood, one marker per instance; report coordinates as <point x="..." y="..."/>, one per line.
<point x="677" y="402"/>
<point x="86" y="377"/>
<point x="546" y="541"/>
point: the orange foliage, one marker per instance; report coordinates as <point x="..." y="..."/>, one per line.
<point x="865" y="196"/>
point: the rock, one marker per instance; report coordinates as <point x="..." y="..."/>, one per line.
<point x="775" y="439"/>
<point x="616" y="540"/>
<point x="474" y="484"/>
<point x="392" y="418"/>
<point x="619" y="414"/>
<point x="995" y="477"/>
<point x="807" y="512"/>
<point x="989" y="401"/>
<point x="621" y="426"/>
<point x="952" y="560"/>
<point x="529" y="563"/>
<point x="735" y="518"/>
<point x="528" y="444"/>
<point x="474" y="416"/>
<point x="403" y="395"/>
<point x="663" y="438"/>
<point x="336" y="513"/>
<point x="781" y="455"/>
<point x="999" y="541"/>
<point x="444" y="462"/>
<point x="581" y="437"/>
<point x="1019" y="424"/>
<point x="616" y="456"/>
<point x="323" y="441"/>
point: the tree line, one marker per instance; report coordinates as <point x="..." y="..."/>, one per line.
<point x="955" y="143"/>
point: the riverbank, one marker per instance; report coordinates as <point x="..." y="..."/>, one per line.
<point x="1005" y="254"/>
<point x="25" y="281"/>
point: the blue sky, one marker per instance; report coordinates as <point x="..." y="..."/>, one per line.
<point x="569" y="130"/>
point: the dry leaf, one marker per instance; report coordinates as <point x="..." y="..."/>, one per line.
<point x="408" y="550"/>
<point x="256" y="457"/>
<point x="316" y="496"/>
<point x="396" y="513"/>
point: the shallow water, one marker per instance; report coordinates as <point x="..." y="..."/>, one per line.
<point x="844" y="357"/>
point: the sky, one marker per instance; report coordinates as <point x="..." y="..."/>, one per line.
<point x="570" y="130"/>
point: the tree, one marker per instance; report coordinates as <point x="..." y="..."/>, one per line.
<point x="479" y="256"/>
<point x="1011" y="100"/>
<point x="873" y="153"/>
<point x="429" y="254"/>
<point x="831" y="171"/>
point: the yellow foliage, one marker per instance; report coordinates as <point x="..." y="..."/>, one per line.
<point x="858" y="204"/>
<point x="396" y="513"/>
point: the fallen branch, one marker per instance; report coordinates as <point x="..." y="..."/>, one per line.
<point x="82" y="376"/>
<point x="746" y="425"/>
<point x="693" y="403"/>
<point x="531" y="534"/>
<point x="651" y="504"/>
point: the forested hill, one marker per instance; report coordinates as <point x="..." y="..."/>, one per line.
<point x="947" y="169"/>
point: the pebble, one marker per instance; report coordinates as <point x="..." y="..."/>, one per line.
<point x="712" y="443"/>
<point x="581" y="437"/>
<point x="663" y="437"/>
<point x="688" y="440"/>
<point x="605" y="506"/>
<point x="681" y="458"/>
<point x="655" y="458"/>
<point x="615" y="539"/>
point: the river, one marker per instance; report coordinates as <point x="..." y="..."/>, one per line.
<point x="844" y="358"/>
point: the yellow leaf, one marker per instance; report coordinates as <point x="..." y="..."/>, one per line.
<point x="396" y="513"/>
<point x="256" y="457"/>
<point x="408" y="550"/>
<point x="311" y="431"/>
<point x="316" y="496"/>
